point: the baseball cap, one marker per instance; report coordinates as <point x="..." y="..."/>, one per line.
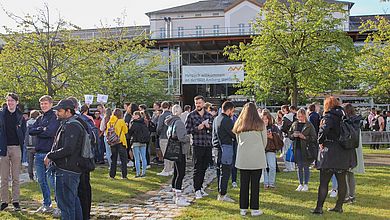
<point x="64" y="104"/>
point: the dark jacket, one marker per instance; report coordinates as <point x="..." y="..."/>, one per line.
<point x="287" y="121"/>
<point x="161" y="126"/>
<point x="200" y="138"/>
<point x="308" y="146"/>
<point x="275" y="131"/>
<point x="66" y="150"/>
<point x="20" y="130"/>
<point x="135" y="130"/>
<point x="45" y="129"/>
<point x="333" y="156"/>
<point x="315" y="119"/>
<point x="222" y="131"/>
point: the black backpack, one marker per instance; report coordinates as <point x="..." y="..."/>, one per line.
<point x="87" y="163"/>
<point x="349" y="132"/>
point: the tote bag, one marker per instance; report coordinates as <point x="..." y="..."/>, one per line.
<point x="290" y="154"/>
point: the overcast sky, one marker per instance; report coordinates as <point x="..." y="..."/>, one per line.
<point x="89" y="13"/>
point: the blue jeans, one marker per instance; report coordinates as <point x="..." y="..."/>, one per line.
<point x="269" y="177"/>
<point x="43" y="176"/>
<point x="108" y="151"/>
<point x="68" y="202"/>
<point x="24" y="154"/>
<point x="139" y="151"/>
<point x="303" y="169"/>
<point x="334" y="182"/>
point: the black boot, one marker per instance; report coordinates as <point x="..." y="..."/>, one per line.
<point x="335" y="209"/>
<point x="317" y="211"/>
<point x="3" y="206"/>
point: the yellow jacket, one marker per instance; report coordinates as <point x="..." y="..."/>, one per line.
<point x="120" y="128"/>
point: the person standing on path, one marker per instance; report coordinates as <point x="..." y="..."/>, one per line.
<point x="64" y="158"/>
<point x="45" y="129"/>
<point x="162" y="134"/>
<point x="12" y="133"/>
<point x="252" y="140"/>
<point x="198" y="124"/>
<point x="222" y="139"/>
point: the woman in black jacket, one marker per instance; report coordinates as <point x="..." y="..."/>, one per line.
<point x="333" y="158"/>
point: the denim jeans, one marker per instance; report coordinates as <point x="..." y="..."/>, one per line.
<point x="108" y="151"/>
<point x="139" y="151"/>
<point x="99" y="152"/>
<point x="43" y="178"/>
<point x="68" y="202"/>
<point x="303" y="169"/>
<point x="334" y="182"/>
<point x="269" y="177"/>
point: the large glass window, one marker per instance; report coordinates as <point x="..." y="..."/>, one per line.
<point x="198" y="31"/>
<point x="180" y="31"/>
<point x="241" y="29"/>
<point x="216" y="30"/>
<point x="162" y="33"/>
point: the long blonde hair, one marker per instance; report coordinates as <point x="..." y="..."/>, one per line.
<point x="249" y="120"/>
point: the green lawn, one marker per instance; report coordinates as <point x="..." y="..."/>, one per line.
<point x="373" y="200"/>
<point x="367" y="150"/>
<point x="104" y="189"/>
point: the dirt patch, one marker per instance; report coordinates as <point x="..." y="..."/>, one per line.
<point x="377" y="159"/>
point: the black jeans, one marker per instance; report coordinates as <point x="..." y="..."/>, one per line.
<point x="234" y="169"/>
<point x="223" y="174"/>
<point x="201" y="157"/>
<point x="85" y="195"/>
<point x="252" y="178"/>
<point x="121" y="150"/>
<point x="179" y="171"/>
<point x="325" y="176"/>
<point x="30" y="159"/>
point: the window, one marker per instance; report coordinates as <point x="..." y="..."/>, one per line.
<point x="198" y="31"/>
<point x="216" y="30"/>
<point x="162" y="33"/>
<point x="198" y="15"/>
<point x="250" y="29"/>
<point x="241" y="29"/>
<point x="180" y="31"/>
<point x="215" y="14"/>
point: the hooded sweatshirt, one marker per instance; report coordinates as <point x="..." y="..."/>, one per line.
<point x="120" y="128"/>
<point x="176" y="129"/>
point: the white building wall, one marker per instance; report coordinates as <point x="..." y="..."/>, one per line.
<point x="243" y="13"/>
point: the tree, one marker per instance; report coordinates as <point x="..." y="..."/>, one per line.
<point x="300" y="50"/>
<point x="373" y="63"/>
<point x="129" y="68"/>
<point x="43" y="57"/>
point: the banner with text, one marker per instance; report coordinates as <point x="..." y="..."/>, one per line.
<point x="213" y="74"/>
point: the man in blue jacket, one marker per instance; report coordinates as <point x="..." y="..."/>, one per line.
<point x="44" y="128"/>
<point x="12" y="131"/>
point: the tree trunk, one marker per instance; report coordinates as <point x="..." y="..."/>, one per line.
<point x="294" y="92"/>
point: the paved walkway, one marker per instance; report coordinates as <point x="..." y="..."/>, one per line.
<point x="159" y="205"/>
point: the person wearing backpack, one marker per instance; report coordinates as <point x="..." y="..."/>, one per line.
<point x="140" y="136"/>
<point x="333" y="158"/>
<point x="44" y="129"/>
<point x="116" y="128"/>
<point x="64" y="157"/>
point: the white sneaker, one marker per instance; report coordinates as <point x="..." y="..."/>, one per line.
<point x="256" y="212"/>
<point x="56" y="213"/>
<point x="163" y="173"/>
<point x="44" y="209"/>
<point x="299" y="188"/>
<point x="234" y="184"/>
<point x="305" y="188"/>
<point x="333" y="193"/>
<point x="181" y="201"/>
<point x="148" y="167"/>
<point x="25" y="164"/>
<point x="204" y="193"/>
<point x="198" y="194"/>
<point x="243" y="212"/>
<point x="224" y="198"/>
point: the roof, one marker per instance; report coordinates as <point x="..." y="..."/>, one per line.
<point x="217" y="5"/>
<point x="356" y="21"/>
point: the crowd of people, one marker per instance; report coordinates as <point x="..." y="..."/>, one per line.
<point x="249" y="141"/>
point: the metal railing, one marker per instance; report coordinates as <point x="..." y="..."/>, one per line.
<point x="375" y="137"/>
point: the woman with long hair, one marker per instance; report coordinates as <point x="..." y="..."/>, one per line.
<point x="334" y="159"/>
<point x="120" y="129"/>
<point x="305" y="146"/>
<point x="252" y="140"/>
<point x="273" y="135"/>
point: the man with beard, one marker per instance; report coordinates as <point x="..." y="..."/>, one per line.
<point x="198" y="124"/>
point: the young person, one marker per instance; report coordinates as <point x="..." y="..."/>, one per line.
<point x="252" y="141"/>
<point x="305" y="146"/>
<point x="136" y="132"/>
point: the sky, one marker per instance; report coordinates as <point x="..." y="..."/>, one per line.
<point x="90" y="13"/>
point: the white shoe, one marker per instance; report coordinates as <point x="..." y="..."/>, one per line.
<point x="170" y="173"/>
<point x="224" y="198"/>
<point x="148" y="167"/>
<point x="256" y="212"/>
<point x="204" y="193"/>
<point x="25" y="164"/>
<point x="305" y="188"/>
<point x="333" y="193"/>
<point x="130" y="164"/>
<point x="163" y="173"/>
<point x="243" y="212"/>
<point x="299" y="188"/>
<point x="198" y="194"/>
<point x="234" y="185"/>
<point x="44" y="209"/>
<point x="181" y="201"/>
